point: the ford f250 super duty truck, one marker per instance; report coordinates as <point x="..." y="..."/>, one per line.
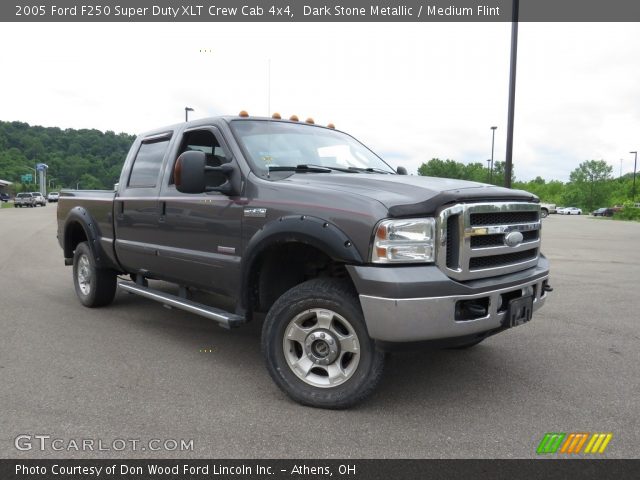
<point x="304" y="227"/>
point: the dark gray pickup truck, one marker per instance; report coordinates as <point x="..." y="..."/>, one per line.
<point x="304" y="224"/>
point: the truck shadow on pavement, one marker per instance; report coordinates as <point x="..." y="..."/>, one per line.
<point x="424" y="377"/>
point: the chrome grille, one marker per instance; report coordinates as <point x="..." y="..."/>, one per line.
<point x="472" y="239"/>
<point x="478" y="263"/>
<point x="497" y="239"/>
<point x="502" y="218"/>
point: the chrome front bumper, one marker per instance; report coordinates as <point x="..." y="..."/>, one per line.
<point x="431" y="318"/>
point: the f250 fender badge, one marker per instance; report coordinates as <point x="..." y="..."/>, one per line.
<point x="513" y="239"/>
<point x="255" y="212"/>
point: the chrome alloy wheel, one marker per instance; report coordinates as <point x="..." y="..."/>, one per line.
<point x="84" y="275"/>
<point x="321" y="348"/>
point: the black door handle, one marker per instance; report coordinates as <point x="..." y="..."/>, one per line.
<point x="120" y="211"/>
<point x="163" y="212"/>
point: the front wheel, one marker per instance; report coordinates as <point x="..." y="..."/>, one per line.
<point x="94" y="286"/>
<point x="544" y="213"/>
<point x="317" y="347"/>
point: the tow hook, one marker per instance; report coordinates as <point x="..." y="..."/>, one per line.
<point x="547" y="288"/>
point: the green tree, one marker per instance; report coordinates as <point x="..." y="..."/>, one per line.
<point x="441" y="168"/>
<point x="70" y="154"/>
<point x="588" y="184"/>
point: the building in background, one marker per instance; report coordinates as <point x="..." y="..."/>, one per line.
<point x="4" y="186"/>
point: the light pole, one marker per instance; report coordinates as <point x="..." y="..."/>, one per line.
<point x="493" y="141"/>
<point x="508" y="158"/>
<point x="635" y="164"/>
<point x="186" y="113"/>
<point x="620" y="177"/>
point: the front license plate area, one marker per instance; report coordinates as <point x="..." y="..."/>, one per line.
<point x="520" y="311"/>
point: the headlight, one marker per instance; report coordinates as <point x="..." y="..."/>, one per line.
<point x="404" y="241"/>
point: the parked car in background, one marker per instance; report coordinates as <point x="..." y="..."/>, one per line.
<point x="4" y="197"/>
<point x="53" y="197"/>
<point x="24" y="200"/>
<point x="560" y="210"/>
<point x="571" y="211"/>
<point x="39" y="199"/>
<point x="603" y="212"/>
<point x="547" y="208"/>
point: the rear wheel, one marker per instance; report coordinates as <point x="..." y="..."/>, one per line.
<point x="317" y="347"/>
<point x="94" y="286"/>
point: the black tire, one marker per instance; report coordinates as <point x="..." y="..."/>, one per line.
<point x="95" y="287"/>
<point x="544" y="213"/>
<point x="337" y="303"/>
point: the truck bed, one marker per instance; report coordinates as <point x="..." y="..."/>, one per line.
<point x="100" y="204"/>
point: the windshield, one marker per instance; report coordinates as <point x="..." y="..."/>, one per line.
<point x="280" y="144"/>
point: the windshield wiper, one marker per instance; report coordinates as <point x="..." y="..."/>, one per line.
<point x="370" y="170"/>
<point x="307" y="167"/>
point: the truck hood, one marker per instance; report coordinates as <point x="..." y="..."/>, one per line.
<point x="409" y="195"/>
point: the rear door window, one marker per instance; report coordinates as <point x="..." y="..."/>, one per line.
<point x="148" y="163"/>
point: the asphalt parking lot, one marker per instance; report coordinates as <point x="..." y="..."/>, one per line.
<point x="135" y="370"/>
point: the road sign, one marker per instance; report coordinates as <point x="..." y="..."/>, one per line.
<point x="28" y="178"/>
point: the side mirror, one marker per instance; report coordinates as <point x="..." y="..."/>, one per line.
<point x="189" y="174"/>
<point x="401" y="171"/>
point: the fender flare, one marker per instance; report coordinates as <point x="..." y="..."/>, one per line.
<point x="309" y="230"/>
<point x="80" y="215"/>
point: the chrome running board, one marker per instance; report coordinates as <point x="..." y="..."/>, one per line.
<point x="223" y="318"/>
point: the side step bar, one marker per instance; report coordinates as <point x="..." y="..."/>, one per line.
<point x="223" y="318"/>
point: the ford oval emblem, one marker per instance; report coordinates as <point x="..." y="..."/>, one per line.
<point x="513" y="239"/>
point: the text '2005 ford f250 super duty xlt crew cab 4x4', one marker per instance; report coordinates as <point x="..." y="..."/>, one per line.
<point x="304" y="224"/>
